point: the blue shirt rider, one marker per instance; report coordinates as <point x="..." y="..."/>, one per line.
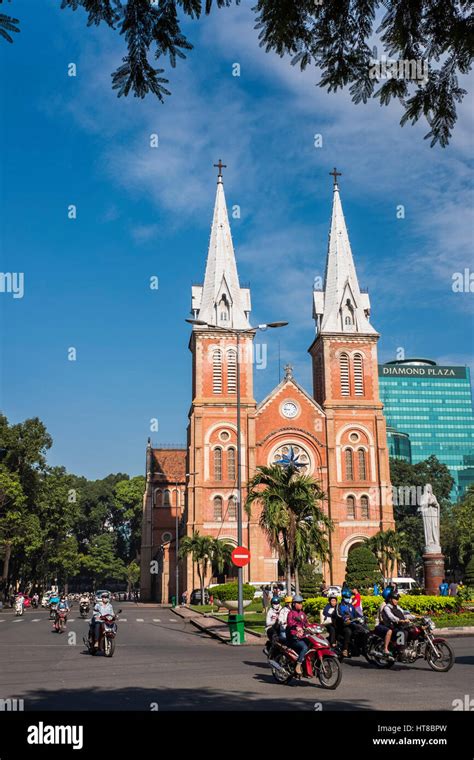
<point x="347" y="615"/>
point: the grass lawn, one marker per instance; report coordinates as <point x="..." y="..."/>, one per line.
<point x="459" y="619"/>
<point x="254" y="608"/>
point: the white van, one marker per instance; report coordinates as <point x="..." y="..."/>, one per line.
<point x="405" y="584"/>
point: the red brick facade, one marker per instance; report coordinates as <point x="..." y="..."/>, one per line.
<point x="339" y="432"/>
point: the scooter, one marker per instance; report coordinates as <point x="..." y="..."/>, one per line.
<point x="107" y="634"/>
<point x="19" y="607"/>
<point x="60" y="621"/>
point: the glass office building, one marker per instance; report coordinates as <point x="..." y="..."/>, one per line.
<point x="433" y="406"/>
<point x="399" y="446"/>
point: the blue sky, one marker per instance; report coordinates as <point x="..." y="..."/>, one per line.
<point x="143" y="212"/>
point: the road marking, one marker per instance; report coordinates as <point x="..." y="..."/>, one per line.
<point x="156" y="620"/>
<point x="36" y="620"/>
<point x="122" y="620"/>
<point x="140" y="620"/>
<point x="2" y="620"/>
<point x="71" y="620"/>
<point x="172" y="620"/>
<point x="17" y="620"/>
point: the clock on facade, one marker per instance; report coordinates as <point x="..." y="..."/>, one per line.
<point x="289" y="409"/>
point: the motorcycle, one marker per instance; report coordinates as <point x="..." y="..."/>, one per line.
<point x="413" y="642"/>
<point x="19" y="607"/>
<point x="83" y="609"/>
<point x="52" y="611"/>
<point x="358" y="644"/>
<point x="107" y="634"/>
<point x="320" y="660"/>
<point x="60" y="621"/>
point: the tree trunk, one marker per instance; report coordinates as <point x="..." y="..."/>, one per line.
<point x="288" y="578"/>
<point x="201" y="582"/>
<point x="297" y="581"/>
<point x="6" y="561"/>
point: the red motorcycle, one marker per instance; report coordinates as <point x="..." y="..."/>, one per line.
<point x="320" y="660"/>
<point x="411" y="643"/>
<point x="60" y="621"/>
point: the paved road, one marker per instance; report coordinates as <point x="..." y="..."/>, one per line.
<point x="164" y="663"/>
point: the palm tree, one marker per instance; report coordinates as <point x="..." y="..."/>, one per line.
<point x="291" y="517"/>
<point x="221" y="554"/>
<point x="200" y="548"/>
<point x="386" y="545"/>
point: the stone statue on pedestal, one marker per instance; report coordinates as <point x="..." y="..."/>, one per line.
<point x="430" y="511"/>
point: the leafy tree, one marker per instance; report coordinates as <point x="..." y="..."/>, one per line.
<point x="469" y="573"/>
<point x="15" y="521"/>
<point x="309" y="581"/>
<point x="221" y="554"/>
<point x="408" y="481"/>
<point x="25" y="445"/>
<point x="127" y="519"/>
<point x="362" y="569"/>
<point x="463" y="520"/>
<point x="386" y="545"/>
<point x="102" y="560"/>
<point x="333" y="36"/>
<point x="291" y="516"/>
<point x="201" y="550"/>
<point x="133" y="575"/>
<point x="66" y="559"/>
<point x="7" y="25"/>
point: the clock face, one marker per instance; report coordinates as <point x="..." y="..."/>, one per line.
<point x="289" y="409"/>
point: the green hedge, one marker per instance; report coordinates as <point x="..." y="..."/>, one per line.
<point x="227" y="591"/>
<point x="418" y="605"/>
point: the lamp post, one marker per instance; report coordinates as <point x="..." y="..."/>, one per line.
<point x="238" y="333"/>
<point x="178" y="510"/>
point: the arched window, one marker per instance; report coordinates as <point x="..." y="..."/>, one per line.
<point x="217" y="501"/>
<point x="349" y="464"/>
<point x="362" y="464"/>
<point x="232" y="513"/>
<point x="166" y="498"/>
<point x="348" y="320"/>
<point x="231" y="464"/>
<point x="231" y="370"/>
<point x="158" y="496"/>
<point x="217" y="464"/>
<point x="358" y="375"/>
<point x="344" y="371"/>
<point x="318" y="379"/>
<point x="217" y="371"/>
<point x="223" y="309"/>
<point x="364" y="507"/>
<point x="351" y="512"/>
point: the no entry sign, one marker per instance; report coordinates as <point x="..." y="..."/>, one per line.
<point x="241" y="556"/>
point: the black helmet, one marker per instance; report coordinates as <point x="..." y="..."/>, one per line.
<point x="394" y="595"/>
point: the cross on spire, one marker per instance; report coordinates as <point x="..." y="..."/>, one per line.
<point x="335" y="174"/>
<point x="220" y="166"/>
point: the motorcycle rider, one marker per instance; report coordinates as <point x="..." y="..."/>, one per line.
<point x="328" y="618"/>
<point x="283" y="618"/>
<point x="19" y="603"/>
<point x="295" y="625"/>
<point x="347" y="619"/>
<point x="84" y="601"/>
<point x="63" y="606"/>
<point x="393" y="618"/>
<point x="103" y="607"/>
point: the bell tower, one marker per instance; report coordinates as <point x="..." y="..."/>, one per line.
<point x="345" y="384"/>
<point x="221" y="309"/>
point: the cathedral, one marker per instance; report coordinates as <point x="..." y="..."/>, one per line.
<point x="337" y="432"/>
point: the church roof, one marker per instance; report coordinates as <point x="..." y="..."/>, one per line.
<point x="169" y="464"/>
<point x="289" y="380"/>
<point x="341" y="307"/>
<point x="220" y="300"/>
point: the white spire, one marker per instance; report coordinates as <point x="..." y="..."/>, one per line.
<point x="221" y="301"/>
<point x="340" y="306"/>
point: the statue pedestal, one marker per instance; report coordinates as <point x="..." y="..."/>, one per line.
<point x="434" y="572"/>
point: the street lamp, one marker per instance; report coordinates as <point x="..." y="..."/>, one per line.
<point x="238" y="333"/>
<point x="187" y="475"/>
